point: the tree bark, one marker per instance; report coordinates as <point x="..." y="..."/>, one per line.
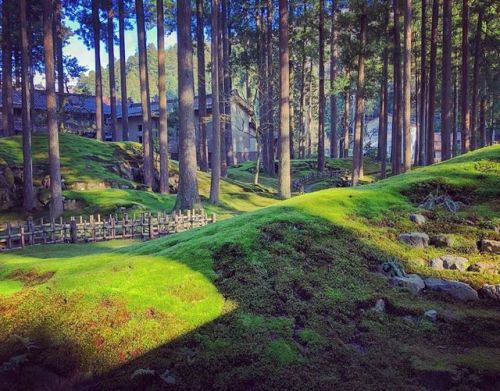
<point x="56" y="200"/>
<point x="321" y="89"/>
<point x="162" y="93"/>
<point x="482" y="123"/>
<point x="145" y="101"/>
<point x="475" y="81"/>
<point x="407" y="147"/>
<point x="423" y="86"/>
<point x="226" y="66"/>
<point x="99" y="115"/>
<point x="432" y="84"/>
<point x="26" y="112"/>
<point x="384" y="114"/>
<point x="446" y="106"/>
<point x="7" y="103"/>
<point x="334" y="147"/>
<point x="357" y="160"/>
<point x="346" y="142"/>
<point x="222" y="94"/>
<point x="270" y="97"/>
<point x="216" y="139"/>
<point x="284" y="139"/>
<point x="464" y="103"/>
<point x="202" y="91"/>
<point x="187" y="196"/>
<point x="397" y="119"/>
<point x="455" y="116"/>
<point x="111" y="69"/>
<point x="58" y="43"/>
<point x="123" y="70"/>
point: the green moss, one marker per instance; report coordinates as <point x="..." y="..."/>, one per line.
<point x="281" y="352"/>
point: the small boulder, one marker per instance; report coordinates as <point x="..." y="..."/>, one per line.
<point x="449" y="262"/>
<point x="379" y="306"/>
<point x="418" y="218"/>
<point x="441" y="240"/>
<point x="489" y="246"/>
<point x="431" y="315"/>
<point x="491" y="292"/>
<point x="412" y="282"/>
<point x="483" y="267"/>
<point x="415" y="239"/>
<point x="456" y="289"/>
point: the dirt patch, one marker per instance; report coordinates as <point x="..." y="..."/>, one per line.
<point x="419" y="191"/>
<point x="30" y="277"/>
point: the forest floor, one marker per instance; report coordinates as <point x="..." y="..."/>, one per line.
<point x="284" y="297"/>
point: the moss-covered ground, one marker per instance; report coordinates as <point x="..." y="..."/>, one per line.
<point x="279" y="298"/>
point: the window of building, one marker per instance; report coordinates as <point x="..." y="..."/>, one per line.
<point x="139" y="128"/>
<point x="140" y="138"/>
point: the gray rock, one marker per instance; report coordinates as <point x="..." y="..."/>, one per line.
<point x="431" y="315"/>
<point x="489" y="246"/>
<point x="442" y="240"/>
<point x="456" y="289"/>
<point x="415" y="239"/>
<point x="483" y="267"/>
<point x="379" y="306"/>
<point x="491" y="292"/>
<point x="412" y="282"/>
<point x="418" y="218"/>
<point x="449" y="262"/>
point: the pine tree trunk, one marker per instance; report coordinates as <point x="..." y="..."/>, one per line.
<point x="432" y="84"/>
<point x="26" y="112"/>
<point x="96" y="28"/>
<point x="455" y="116"/>
<point x="58" y="42"/>
<point x="202" y="91"/>
<point x="357" y="160"/>
<point x="226" y="49"/>
<point x="446" y="106"/>
<point x="334" y="143"/>
<point x="464" y="91"/>
<point x="321" y="89"/>
<point x="292" y="111"/>
<point x="111" y="70"/>
<point x="7" y="103"/>
<point x="397" y="119"/>
<point x="270" y="97"/>
<point x="475" y="82"/>
<point x="407" y="147"/>
<point x="162" y="93"/>
<point x="423" y="86"/>
<point x="384" y="114"/>
<point x="284" y="137"/>
<point x="222" y="94"/>
<point x="56" y="200"/>
<point x="145" y="101"/>
<point x="123" y="70"/>
<point x="482" y="123"/>
<point x="187" y="196"/>
<point x="216" y="139"/>
<point x="346" y="142"/>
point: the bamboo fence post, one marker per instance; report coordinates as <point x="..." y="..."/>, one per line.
<point x="31" y="231"/>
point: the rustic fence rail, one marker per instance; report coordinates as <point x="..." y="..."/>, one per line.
<point x="299" y="183"/>
<point x="96" y="228"/>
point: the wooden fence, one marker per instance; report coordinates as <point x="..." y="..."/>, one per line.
<point x="338" y="173"/>
<point x="95" y="229"/>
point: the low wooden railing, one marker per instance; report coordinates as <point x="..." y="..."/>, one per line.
<point x="299" y="183"/>
<point x="94" y="228"/>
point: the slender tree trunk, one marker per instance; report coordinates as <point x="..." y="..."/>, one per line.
<point x="475" y="81"/>
<point x="58" y="42"/>
<point x="446" y="106"/>
<point x="270" y="93"/>
<point x="202" y="91"/>
<point x="432" y="84"/>
<point x="111" y="69"/>
<point x="482" y="123"/>
<point x="423" y="86"/>
<point x="216" y="142"/>
<point x="357" y="160"/>
<point x="222" y="94"/>
<point x="407" y="147"/>
<point x="347" y="109"/>
<point x="302" y="105"/>
<point x="284" y="138"/>
<point x="99" y="114"/>
<point x="398" y="100"/>
<point x="56" y="200"/>
<point x="321" y="89"/>
<point x="334" y="147"/>
<point x="226" y="49"/>
<point x="187" y="196"/>
<point x="292" y="111"/>
<point x="464" y="104"/>
<point x="7" y="103"/>
<point x="123" y="70"/>
<point x="26" y="112"/>
<point x="384" y="114"/>
<point x="455" y="116"/>
<point x="145" y="101"/>
<point x="263" y="87"/>
<point x="162" y="92"/>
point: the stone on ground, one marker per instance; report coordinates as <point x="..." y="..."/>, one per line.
<point x="431" y="315"/>
<point x="484" y="267"/>
<point x="489" y="246"/>
<point x="415" y="239"/>
<point x="418" y="218"/>
<point x="491" y="292"/>
<point x="441" y="240"/>
<point x="449" y="262"/>
<point x="412" y="282"/>
<point x="456" y="289"/>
